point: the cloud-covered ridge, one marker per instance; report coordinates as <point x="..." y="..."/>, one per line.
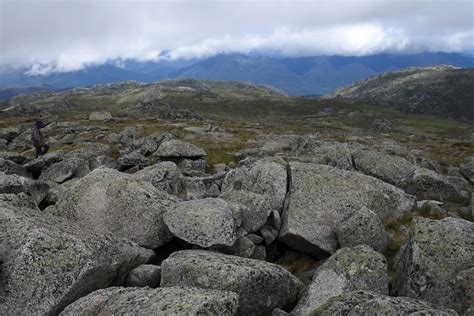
<point x="57" y="36"/>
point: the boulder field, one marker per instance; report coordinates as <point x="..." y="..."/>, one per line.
<point x="151" y="230"/>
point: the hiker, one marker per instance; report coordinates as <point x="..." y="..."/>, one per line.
<point x="38" y="139"/>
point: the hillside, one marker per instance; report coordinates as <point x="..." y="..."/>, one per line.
<point x="313" y="75"/>
<point x="443" y="91"/>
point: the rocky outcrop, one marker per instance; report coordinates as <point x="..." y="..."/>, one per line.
<point x="261" y="286"/>
<point x="467" y="168"/>
<point x="205" y="222"/>
<point x="434" y="261"/>
<point x="144" y="275"/>
<point x="10" y="167"/>
<point x="118" y="203"/>
<point x="163" y="175"/>
<point x="99" y="116"/>
<point x="256" y="190"/>
<point x="161" y="301"/>
<point x="49" y="262"/>
<point x="370" y="303"/>
<point x="65" y="170"/>
<point x="389" y="168"/>
<point x="9" y="133"/>
<point x="363" y="227"/>
<point x="429" y="185"/>
<point x="179" y="149"/>
<point x="349" y="269"/>
<point x="36" y="166"/>
<point x="322" y="197"/>
<point x="13" y="184"/>
<point x="133" y="159"/>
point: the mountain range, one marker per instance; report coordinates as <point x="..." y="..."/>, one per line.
<point x="314" y="75"/>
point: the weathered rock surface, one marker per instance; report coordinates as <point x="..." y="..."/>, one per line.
<point x="363" y="227"/>
<point x="429" y="185"/>
<point x="256" y="190"/>
<point x="430" y="262"/>
<point x="467" y="168"/>
<point x="133" y="159"/>
<point x="322" y="197"/>
<point x="349" y="269"/>
<point x="160" y="301"/>
<point x="49" y="262"/>
<point x="116" y="202"/>
<point x="144" y="275"/>
<point x="10" y="167"/>
<point x="13" y="184"/>
<point x="9" y="133"/>
<point x="100" y="116"/>
<point x="163" y="175"/>
<point x="335" y="154"/>
<point x="261" y="286"/>
<point x="55" y="192"/>
<point x="370" y="303"/>
<point x="389" y="168"/>
<point x="37" y="165"/>
<point x="13" y="156"/>
<point x="179" y="149"/>
<point x="65" y="170"/>
<point x="205" y="222"/>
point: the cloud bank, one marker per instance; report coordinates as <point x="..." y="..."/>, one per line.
<point x="66" y="35"/>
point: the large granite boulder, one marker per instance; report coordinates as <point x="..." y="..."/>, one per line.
<point x="9" y="133"/>
<point x="10" y="167"/>
<point x="13" y="156"/>
<point x="161" y="301"/>
<point x="65" y="170"/>
<point x="133" y="159"/>
<point x="389" y="168"/>
<point x="116" y="202"/>
<point x="467" y="168"/>
<point x="334" y="154"/>
<point x="429" y="185"/>
<point x="433" y="262"/>
<point x="100" y="116"/>
<point x="96" y="154"/>
<point x="363" y="227"/>
<point x="261" y="286"/>
<point x="149" y="144"/>
<point x="178" y="149"/>
<point x="322" y="197"/>
<point x="144" y="275"/>
<point x="48" y="262"/>
<point x="13" y="184"/>
<point x="163" y="175"/>
<point x="371" y="303"/>
<point x="36" y="166"/>
<point x="256" y="190"/>
<point x="349" y="269"/>
<point x="205" y="222"/>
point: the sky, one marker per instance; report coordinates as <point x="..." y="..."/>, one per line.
<point x="65" y="35"/>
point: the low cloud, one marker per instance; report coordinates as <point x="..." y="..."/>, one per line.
<point x="57" y="36"/>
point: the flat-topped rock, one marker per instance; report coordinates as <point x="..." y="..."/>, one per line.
<point x="178" y="149"/>
<point x="161" y="301"/>
<point x="205" y="222"/>
<point x="261" y="286"/>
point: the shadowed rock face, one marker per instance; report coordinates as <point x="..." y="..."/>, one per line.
<point x="322" y="197"/>
<point x="49" y="262"/>
<point x="115" y="202"/>
<point x="349" y="269"/>
<point x="14" y="184"/>
<point x="261" y="286"/>
<point x="161" y="301"/>
<point x="436" y="263"/>
<point x="371" y="303"/>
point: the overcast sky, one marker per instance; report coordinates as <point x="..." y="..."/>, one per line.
<point x="64" y="35"/>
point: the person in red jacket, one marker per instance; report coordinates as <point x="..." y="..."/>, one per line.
<point x="37" y="137"/>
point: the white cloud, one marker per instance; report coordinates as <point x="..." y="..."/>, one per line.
<point x="55" y="35"/>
